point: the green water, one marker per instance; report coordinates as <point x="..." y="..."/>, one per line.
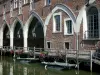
<point x="8" y="66"/>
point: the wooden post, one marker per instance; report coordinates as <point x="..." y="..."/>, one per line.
<point x="66" y="56"/>
<point x="91" y="61"/>
<point x="14" y="51"/>
<point x="34" y="52"/>
<point x="1" y="51"/>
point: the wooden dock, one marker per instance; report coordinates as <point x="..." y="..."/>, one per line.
<point x="85" y="55"/>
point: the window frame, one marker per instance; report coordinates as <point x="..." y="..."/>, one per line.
<point x="11" y="9"/>
<point x="25" y="2"/>
<point x="32" y="5"/>
<point x="68" y="43"/>
<point x="47" y="3"/>
<point x="54" y="22"/>
<point x="91" y="24"/>
<point x="20" y="7"/>
<point x="4" y="11"/>
<point x="66" y="27"/>
<point x="47" y="44"/>
<point x="15" y="4"/>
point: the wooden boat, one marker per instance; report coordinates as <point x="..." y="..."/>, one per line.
<point x="59" y="65"/>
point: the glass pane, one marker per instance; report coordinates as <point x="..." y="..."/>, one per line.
<point x="57" y="20"/>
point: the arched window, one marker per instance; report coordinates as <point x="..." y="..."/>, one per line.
<point x="92" y="21"/>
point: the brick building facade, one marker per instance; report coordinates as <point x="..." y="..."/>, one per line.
<point x="49" y="23"/>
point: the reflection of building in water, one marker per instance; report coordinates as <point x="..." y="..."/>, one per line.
<point x="1" y="69"/>
<point x="11" y="69"/>
<point x="25" y="71"/>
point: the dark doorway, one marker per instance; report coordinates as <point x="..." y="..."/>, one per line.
<point x="6" y="36"/>
<point x="35" y="34"/>
<point x="18" y="35"/>
<point x="66" y="45"/>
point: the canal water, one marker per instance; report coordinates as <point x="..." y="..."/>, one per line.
<point x="9" y="66"/>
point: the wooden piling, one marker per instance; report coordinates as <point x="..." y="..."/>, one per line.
<point x="1" y="51"/>
<point x="91" y="61"/>
<point x="14" y="52"/>
<point x="34" y="52"/>
<point x="66" y="56"/>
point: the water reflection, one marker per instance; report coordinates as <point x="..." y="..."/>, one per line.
<point x="0" y="68"/>
<point x="9" y="66"/>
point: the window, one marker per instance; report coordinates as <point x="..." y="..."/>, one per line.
<point x="92" y="21"/>
<point x="68" y="27"/>
<point x="67" y="46"/>
<point x="11" y="9"/>
<point x="15" y="3"/>
<point x="48" y="44"/>
<point x="57" y="22"/>
<point x="20" y="6"/>
<point x="47" y="2"/>
<point x="32" y="5"/>
<point x="25" y="1"/>
<point x="4" y="12"/>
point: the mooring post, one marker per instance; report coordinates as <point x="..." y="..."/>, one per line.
<point x="1" y="51"/>
<point x="14" y="51"/>
<point x="66" y="56"/>
<point x="34" y="52"/>
<point x="91" y="61"/>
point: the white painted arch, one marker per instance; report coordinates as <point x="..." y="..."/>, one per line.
<point x="1" y="31"/>
<point x="12" y="30"/>
<point x="64" y="8"/>
<point x="4" y="24"/>
<point x="27" y="24"/>
<point x="15" y="22"/>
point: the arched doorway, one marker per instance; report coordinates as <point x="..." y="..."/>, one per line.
<point x="6" y="36"/>
<point x="35" y="34"/>
<point x="18" y="35"/>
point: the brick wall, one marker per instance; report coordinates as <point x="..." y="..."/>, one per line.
<point x="57" y="39"/>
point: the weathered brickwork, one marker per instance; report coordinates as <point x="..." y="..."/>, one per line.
<point x="57" y="39"/>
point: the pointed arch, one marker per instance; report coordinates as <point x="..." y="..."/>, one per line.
<point x="64" y="8"/>
<point x="4" y="25"/>
<point x="33" y="19"/>
<point x="5" y="30"/>
<point x="15" y="22"/>
<point x="13" y="35"/>
<point x="32" y="15"/>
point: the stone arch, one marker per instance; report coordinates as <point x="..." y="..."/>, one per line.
<point x="14" y="23"/>
<point x="64" y="8"/>
<point x="33" y="15"/>
<point x="12" y="32"/>
<point x="4" y="24"/>
<point x="5" y="29"/>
